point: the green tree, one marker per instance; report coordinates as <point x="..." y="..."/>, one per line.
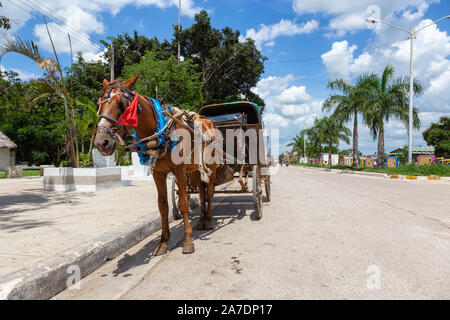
<point x="85" y="79"/>
<point x="387" y="98"/>
<point x="180" y="79"/>
<point x="348" y="104"/>
<point x="297" y="144"/>
<point x="5" y="23"/>
<point x="38" y="130"/>
<point x="229" y="68"/>
<point x="87" y="123"/>
<point x="334" y="131"/>
<point x="316" y="135"/>
<point x="438" y="136"/>
<point x="129" y="50"/>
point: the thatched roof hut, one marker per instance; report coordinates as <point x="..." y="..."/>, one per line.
<point x="5" y="142"/>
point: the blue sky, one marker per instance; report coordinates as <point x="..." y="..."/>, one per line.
<point x="307" y="43"/>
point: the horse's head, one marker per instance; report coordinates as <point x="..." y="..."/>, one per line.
<point x="115" y="98"/>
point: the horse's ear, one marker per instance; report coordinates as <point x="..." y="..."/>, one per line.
<point x="105" y="83"/>
<point x="130" y="82"/>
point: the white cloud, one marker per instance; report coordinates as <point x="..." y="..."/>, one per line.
<point x="80" y="18"/>
<point x="289" y="107"/>
<point x="294" y="95"/>
<point x="349" y="15"/>
<point x="23" y="75"/>
<point x="339" y="59"/>
<point x="267" y="34"/>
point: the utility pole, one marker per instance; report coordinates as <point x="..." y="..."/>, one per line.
<point x="304" y="147"/>
<point x="112" y="63"/>
<point x="179" y="27"/>
<point x="411" y="95"/>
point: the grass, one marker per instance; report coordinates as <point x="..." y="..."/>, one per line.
<point x="26" y="173"/>
<point x="408" y="170"/>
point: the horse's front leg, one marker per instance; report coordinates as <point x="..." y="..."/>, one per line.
<point x="180" y="175"/>
<point x="161" y="186"/>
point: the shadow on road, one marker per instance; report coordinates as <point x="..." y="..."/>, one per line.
<point x="12" y="207"/>
<point x="227" y="210"/>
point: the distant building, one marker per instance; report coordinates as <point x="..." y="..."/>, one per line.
<point x="7" y="152"/>
<point x="334" y="159"/>
<point x="416" y="151"/>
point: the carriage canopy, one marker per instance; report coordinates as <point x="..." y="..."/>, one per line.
<point x="251" y="109"/>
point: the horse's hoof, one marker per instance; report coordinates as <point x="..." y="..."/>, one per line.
<point x="200" y="225"/>
<point x="208" y="226"/>
<point x="159" y="250"/>
<point x="188" y="248"/>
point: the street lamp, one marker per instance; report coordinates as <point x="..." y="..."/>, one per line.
<point x="412" y="32"/>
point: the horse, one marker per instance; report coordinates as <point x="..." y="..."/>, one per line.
<point x="116" y="97"/>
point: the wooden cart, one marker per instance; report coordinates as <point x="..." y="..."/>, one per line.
<point x="236" y="115"/>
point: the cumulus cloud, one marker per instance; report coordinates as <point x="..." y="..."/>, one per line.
<point x="349" y="15"/>
<point x="80" y="18"/>
<point x="23" y="75"/>
<point x="266" y="35"/>
<point x="289" y="107"/>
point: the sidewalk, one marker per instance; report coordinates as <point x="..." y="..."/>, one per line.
<point x="39" y="228"/>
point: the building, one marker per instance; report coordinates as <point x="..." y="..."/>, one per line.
<point x="7" y="152"/>
<point x="416" y="152"/>
<point x="334" y="159"/>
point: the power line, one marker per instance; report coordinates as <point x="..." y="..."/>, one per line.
<point x="66" y="28"/>
<point x="57" y="27"/>
<point x="60" y="19"/>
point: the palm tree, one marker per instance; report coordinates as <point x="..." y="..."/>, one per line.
<point x="387" y="98"/>
<point x="348" y="104"/>
<point x="297" y="144"/>
<point x="316" y="135"/>
<point x="334" y="132"/>
<point x="87" y="126"/>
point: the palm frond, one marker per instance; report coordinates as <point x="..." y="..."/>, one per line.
<point x="25" y="47"/>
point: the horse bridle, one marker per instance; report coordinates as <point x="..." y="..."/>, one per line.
<point x="126" y="96"/>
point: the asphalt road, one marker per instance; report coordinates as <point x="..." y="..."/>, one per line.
<point x="323" y="236"/>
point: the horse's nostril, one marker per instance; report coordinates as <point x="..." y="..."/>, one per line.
<point x="105" y="143"/>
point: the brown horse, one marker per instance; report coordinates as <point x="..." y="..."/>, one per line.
<point x="117" y="95"/>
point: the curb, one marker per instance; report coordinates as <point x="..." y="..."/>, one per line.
<point x="48" y="277"/>
<point x="379" y="174"/>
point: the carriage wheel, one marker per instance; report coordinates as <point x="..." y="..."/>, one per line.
<point x="175" y="198"/>
<point x="267" y="185"/>
<point x="257" y="192"/>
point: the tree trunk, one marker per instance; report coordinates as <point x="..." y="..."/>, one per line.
<point x="320" y="153"/>
<point x="380" y="153"/>
<point x="355" y="163"/>
<point x="329" y="153"/>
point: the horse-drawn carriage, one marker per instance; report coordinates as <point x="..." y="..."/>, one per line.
<point x="243" y="116"/>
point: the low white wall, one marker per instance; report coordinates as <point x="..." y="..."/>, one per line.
<point x="82" y="179"/>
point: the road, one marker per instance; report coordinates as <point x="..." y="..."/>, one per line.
<point x="323" y="236"/>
